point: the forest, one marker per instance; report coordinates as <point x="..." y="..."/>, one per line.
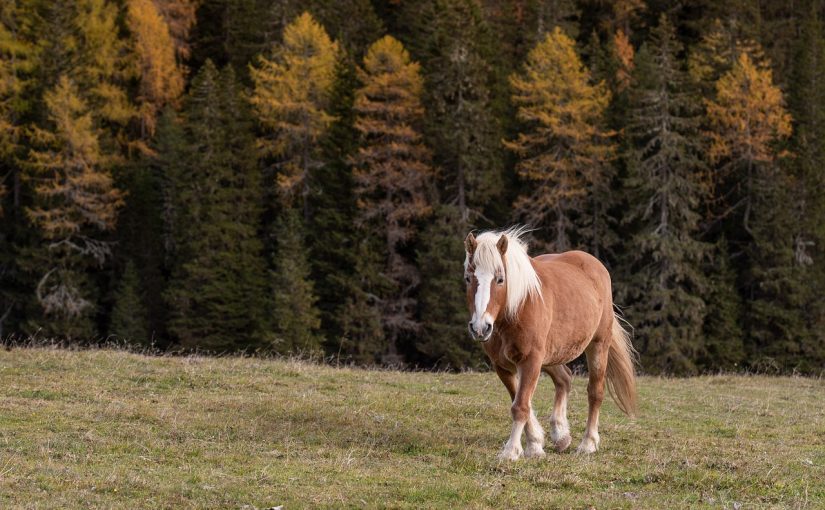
<point x="297" y="177"/>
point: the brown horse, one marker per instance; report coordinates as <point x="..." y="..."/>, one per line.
<point x="536" y="314"/>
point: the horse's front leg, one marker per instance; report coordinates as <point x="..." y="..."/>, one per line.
<point x="529" y="371"/>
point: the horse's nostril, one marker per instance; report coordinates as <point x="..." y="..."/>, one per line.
<point x="487" y="328"/>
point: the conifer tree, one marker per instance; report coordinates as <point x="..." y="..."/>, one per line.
<point x="331" y="238"/>
<point x="563" y="150"/>
<point x="665" y="265"/>
<point x="724" y="346"/>
<point x="392" y="176"/>
<point x="452" y="41"/>
<point x="129" y="313"/>
<point x="217" y="295"/>
<point x="290" y="97"/>
<point x="296" y="318"/>
<point x="75" y="202"/>
<point x="747" y="119"/>
<point x="807" y="101"/>
<point x="444" y="341"/>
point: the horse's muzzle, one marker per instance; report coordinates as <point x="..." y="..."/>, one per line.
<point x="484" y="334"/>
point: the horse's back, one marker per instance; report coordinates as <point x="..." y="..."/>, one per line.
<point x="575" y="264"/>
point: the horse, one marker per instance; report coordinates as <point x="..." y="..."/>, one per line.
<point x="536" y="314"/>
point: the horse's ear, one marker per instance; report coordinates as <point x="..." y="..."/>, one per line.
<point x="502" y="245"/>
<point x="470" y="243"/>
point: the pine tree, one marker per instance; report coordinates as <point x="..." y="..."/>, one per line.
<point x="563" y="151"/>
<point x="291" y="93"/>
<point x="217" y="295"/>
<point x="665" y="265"/>
<point x="129" y="313"/>
<point x="392" y="176"/>
<point x="295" y="315"/>
<point x="75" y="202"/>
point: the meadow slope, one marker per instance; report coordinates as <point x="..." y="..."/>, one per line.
<point x="109" y="429"/>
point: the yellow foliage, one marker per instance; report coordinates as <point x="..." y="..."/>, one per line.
<point x="102" y="61"/>
<point x="161" y="78"/>
<point x="747" y="116"/>
<point x="624" y="54"/>
<point x="562" y="148"/>
<point x="291" y="92"/>
<point x="70" y="173"/>
<point x="392" y="167"/>
<point x="180" y="16"/>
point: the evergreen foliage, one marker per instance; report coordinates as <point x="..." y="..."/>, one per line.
<point x="665" y="281"/>
<point x="296" y="319"/>
<point x="217" y="293"/>
<point x="129" y="315"/>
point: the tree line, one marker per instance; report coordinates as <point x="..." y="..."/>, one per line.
<point x="246" y="175"/>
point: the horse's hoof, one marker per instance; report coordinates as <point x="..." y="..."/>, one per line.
<point x="587" y="447"/>
<point x="534" y="450"/>
<point x="510" y="454"/>
<point x="563" y="443"/>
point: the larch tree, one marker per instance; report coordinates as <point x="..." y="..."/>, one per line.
<point x="218" y="295"/>
<point x="665" y="280"/>
<point x="290" y="96"/>
<point x="563" y="151"/>
<point x="747" y="120"/>
<point x="392" y="177"/>
<point x="75" y="203"/>
<point x="161" y="76"/>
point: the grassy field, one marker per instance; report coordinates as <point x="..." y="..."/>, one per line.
<point x="108" y="429"/>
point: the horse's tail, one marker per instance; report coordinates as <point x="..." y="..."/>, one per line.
<point x="621" y="368"/>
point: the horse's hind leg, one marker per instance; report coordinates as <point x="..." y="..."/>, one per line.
<point x="559" y="427"/>
<point x="523" y="416"/>
<point x="597" y="353"/>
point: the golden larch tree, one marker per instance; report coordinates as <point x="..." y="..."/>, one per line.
<point x="75" y="199"/>
<point x="746" y="119"/>
<point x="161" y="76"/>
<point x="291" y="91"/>
<point x="562" y="148"/>
<point x="392" y="172"/>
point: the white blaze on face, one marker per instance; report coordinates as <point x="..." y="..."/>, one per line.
<point x="482" y="298"/>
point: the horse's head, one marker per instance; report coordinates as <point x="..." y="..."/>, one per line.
<point x="486" y="289"/>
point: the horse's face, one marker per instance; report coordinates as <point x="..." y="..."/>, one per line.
<point x="486" y="291"/>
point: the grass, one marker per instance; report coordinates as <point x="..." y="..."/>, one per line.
<point x="109" y="429"/>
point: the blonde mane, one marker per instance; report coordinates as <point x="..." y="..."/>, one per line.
<point x="521" y="279"/>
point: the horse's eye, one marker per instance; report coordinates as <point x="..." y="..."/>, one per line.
<point x="500" y="280"/>
<point x="467" y="279"/>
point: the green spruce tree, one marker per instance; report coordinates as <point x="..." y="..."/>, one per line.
<point x="217" y="296"/>
<point x="129" y="318"/>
